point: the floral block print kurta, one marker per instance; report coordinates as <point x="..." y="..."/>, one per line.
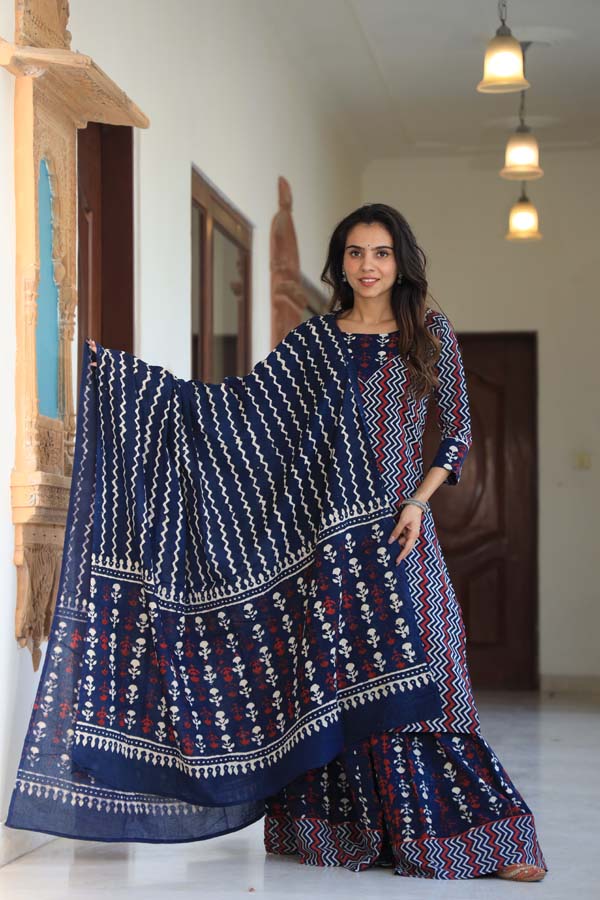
<point x="436" y="804"/>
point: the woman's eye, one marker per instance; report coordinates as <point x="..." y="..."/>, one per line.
<point x="384" y="252"/>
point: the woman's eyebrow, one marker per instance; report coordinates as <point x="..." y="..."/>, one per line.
<point x="380" y="247"/>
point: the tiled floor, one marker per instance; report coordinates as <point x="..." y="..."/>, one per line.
<point x="549" y="746"/>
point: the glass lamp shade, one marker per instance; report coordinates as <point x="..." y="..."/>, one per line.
<point x="503" y="65"/>
<point x="522" y="157"/>
<point x="523" y="222"/>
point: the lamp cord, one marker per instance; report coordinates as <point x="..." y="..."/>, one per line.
<point x="524" y="47"/>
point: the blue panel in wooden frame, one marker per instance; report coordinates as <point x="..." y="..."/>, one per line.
<point x="46" y="333"/>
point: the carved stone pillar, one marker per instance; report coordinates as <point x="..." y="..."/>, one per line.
<point x="56" y="92"/>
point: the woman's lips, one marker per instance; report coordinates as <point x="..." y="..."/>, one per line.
<point x="368" y="281"/>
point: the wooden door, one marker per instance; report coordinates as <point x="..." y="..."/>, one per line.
<point x="105" y="310"/>
<point x="487" y="524"/>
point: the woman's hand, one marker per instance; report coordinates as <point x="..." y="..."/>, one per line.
<point x="406" y="530"/>
<point x="92" y="346"/>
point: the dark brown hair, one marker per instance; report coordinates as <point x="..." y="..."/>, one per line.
<point x="416" y="342"/>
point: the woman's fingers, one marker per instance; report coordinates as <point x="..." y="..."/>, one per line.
<point x="92" y="346"/>
<point x="408" y="546"/>
<point x="406" y="530"/>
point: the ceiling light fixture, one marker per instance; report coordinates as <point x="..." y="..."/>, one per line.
<point x="523" y="224"/>
<point x="503" y="63"/>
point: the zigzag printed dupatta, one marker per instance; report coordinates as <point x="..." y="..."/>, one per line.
<point x="229" y="612"/>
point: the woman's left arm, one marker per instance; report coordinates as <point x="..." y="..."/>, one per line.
<point x="453" y="415"/>
<point x="454" y="422"/>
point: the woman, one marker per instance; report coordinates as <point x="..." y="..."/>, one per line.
<point x="420" y="800"/>
<point x="231" y="623"/>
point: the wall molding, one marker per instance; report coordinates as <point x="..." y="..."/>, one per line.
<point x="570" y="684"/>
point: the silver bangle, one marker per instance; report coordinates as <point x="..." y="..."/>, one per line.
<point x="423" y="505"/>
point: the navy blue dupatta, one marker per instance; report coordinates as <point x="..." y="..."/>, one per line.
<point x="229" y="612"/>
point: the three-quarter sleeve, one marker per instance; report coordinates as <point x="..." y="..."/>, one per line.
<point x="453" y="414"/>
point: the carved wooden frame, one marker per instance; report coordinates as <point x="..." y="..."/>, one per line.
<point x="293" y="296"/>
<point x="288" y="299"/>
<point x="56" y="92"/>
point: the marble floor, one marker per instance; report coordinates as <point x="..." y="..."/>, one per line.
<point x="548" y="744"/>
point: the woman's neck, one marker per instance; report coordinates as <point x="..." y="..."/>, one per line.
<point x="369" y="314"/>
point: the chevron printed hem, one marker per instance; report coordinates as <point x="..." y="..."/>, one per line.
<point x="229" y="613"/>
<point x="430" y="805"/>
<point x="479" y="851"/>
<point x="322" y="843"/>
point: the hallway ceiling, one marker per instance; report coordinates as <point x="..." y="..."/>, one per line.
<point x="398" y="76"/>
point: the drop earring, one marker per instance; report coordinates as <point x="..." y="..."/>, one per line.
<point x="399" y="279"/>
<point x="344" y="276"/>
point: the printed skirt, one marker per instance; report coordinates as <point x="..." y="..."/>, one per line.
<point x="432" y="805"/>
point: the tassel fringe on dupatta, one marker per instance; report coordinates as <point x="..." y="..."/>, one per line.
<point x="229" y="613"/>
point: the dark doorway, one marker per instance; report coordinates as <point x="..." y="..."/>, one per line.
<point x="105" y="309"/>
<point x="487" y="524"/>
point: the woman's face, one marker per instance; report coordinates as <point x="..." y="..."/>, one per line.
<point x="369" y="261"/>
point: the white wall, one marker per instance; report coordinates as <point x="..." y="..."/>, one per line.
<point x="459" y="212"/>
<point x="220" y="94"/>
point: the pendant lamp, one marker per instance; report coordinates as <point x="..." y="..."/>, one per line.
<point x="522" y="156"/>
<point x="503" y="63"/>
<point x="523" y="220"/>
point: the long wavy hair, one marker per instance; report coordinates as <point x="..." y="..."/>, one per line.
<point x="420" y="348"/>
